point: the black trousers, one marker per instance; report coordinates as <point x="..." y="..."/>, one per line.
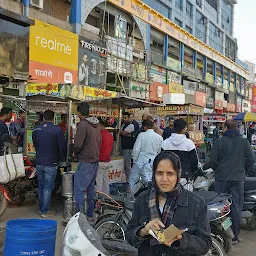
<point x="236" y="190"/>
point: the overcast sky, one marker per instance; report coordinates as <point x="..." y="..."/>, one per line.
<point x="245" y="29"/>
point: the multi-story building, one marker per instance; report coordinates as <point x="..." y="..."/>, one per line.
<point x="151" y="47"/>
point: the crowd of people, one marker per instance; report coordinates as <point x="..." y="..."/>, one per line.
<point x="162" y="157"/>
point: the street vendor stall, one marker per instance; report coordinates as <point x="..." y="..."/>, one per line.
<point x="193" y="115"/>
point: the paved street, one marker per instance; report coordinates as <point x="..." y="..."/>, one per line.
<point x="30" y="210"/>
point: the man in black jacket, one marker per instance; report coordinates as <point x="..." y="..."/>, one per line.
<point x="230" y="157"/>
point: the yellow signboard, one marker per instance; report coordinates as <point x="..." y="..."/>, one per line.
<point x="98" y="93"/>
<point x="54" y="46"/>
<point x="145" y="12"/>
<point x="42" y="89"/>
<point x="175" y="88"/>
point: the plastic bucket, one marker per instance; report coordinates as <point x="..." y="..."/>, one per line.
<point x="30" y="237"/>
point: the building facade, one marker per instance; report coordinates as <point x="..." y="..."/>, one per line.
<point x="146" y="49"/>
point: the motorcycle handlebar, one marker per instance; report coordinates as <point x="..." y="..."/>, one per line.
<point x="119" y="246"/>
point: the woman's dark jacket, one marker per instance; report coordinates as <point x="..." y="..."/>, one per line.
<point x="191" y="213"/>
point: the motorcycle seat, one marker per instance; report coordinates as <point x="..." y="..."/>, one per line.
<point x="249" y="183"/>
<point x="212" y="197"/>
<point x="129" y="203"/>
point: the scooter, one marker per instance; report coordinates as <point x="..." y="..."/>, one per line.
<point x="79" y="238"/>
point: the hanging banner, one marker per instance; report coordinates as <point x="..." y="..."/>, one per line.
<point x="91" y="63"/>
<point x="92" y="93"/>
<point x="53" y="54"/>
<point x="120" y="28"/>
<point x="30" y="146"/>
<point x="173" y="64"/>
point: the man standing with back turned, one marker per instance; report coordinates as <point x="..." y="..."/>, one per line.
<point x="87" y="149"/>
<point x="230" y="156"/>
<point x="50" y="146"/>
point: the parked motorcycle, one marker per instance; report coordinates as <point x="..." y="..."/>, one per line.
<point x="79" y="238"/>
<point x="15" y="191"/>
<point x="248" y="218"/>
<point x="114" y="217"/>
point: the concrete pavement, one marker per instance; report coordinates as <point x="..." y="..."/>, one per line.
<point x="30" y="210"/>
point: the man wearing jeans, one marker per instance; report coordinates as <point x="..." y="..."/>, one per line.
<point x="87" y="149"/>
<point x="49" y="143"/>
<point x="146" y="148"/>
<point x="127" y="142"/>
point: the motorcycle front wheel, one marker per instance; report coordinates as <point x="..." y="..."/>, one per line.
<point x="110" y="228"/>
<point x="216" y="249"/>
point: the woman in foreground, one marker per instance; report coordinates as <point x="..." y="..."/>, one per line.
<point x="165" y="204"/>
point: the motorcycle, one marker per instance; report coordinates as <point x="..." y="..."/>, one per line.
<point x="79" y="238"/>
<point x="15" y="191"/>
<point x="113" y="218"/>
<point x="248" y="218"/>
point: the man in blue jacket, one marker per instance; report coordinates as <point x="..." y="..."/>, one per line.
<point x="49" y="143"/>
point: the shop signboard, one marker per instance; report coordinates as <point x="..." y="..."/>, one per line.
<point x="200" y="99"/>
<point x="119" y="66"/>
<point x="173" y="64"/>
<point x="174" y="98"/>
<point x="225" y="86"/>
<point x="239" y="104"/>
<point x="119" y="48"/>
<point x="42" y="89"/>
<point x="174" y="77"/>
<point x="95" y="93"/>
<point x="175" y="88"/>
<point x="120" y="28"/>
<point x="180" y="110"/>
<point x="30" y="146"/>
<point x="218" y="81"/>
<point x="139" y="90"/>
<point x="192" y="72"/>
<point x="14" y="43"/>
<point x="189" y="87"/>
<point x="53" y="54"/>
<point x="116" y="171"/>
<point x="209" y="78"/>
<point x="232" y="87"/>
<point x="201" y="87"/>
<point x="139" y="72"/>
<point x="91" y="63"/>
<point x="157" y="90"/>
<point x="218" y="105"/>
<point x="253" y="101"/>
<point x="158" y="75"/>
<point x="73" y="91"/>
<point x="215" y="118"/>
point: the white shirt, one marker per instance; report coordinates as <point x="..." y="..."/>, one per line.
<point x="147" y="147"/>
<point x="129" y="128"/>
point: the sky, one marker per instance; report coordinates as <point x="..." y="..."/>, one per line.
<point x="245" y="29"/>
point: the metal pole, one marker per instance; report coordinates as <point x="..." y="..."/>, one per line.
<point x="25" y="150"/>
<point x="68" y="127"/>
<point x="119" y="129"/>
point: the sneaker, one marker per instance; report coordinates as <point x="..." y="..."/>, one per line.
<point x="236" y="242"/>
<point x="50" y="213"/>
